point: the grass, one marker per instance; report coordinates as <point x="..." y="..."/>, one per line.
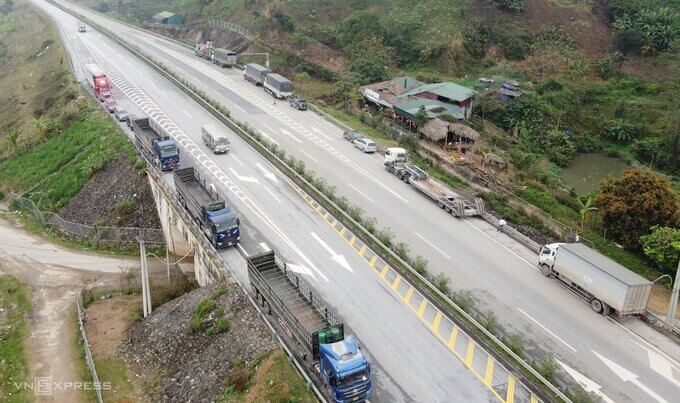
<point x="15" y="302"/>
<point x="354" y="121"/>
<point x="112" y="369"/>
<point x="82" y="370"/>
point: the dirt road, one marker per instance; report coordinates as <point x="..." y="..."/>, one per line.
<point x="55" y="275"/>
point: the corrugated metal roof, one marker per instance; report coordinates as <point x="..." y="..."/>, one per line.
<point x="605" y="264"/>
<point x="406" y="82"/>
<point x="433" y="108"/>
<point x="446" y="90"/>
<point x="163" y="15"/>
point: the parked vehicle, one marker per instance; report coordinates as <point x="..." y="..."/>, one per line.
<point x="278" y="86"/>
<point x="224" y="57"/>
<point x="602" y="282"/>
<point x="351" y="135"/>
<point x="130" y="118"/>
<point x="298" y="103"/>
<point x="160" y="148"/>
<point x="334" y="359"/>
<point x="395" y="162"/>
<point x="81" y="27"/>
<point x="121" y="114"/>
<point x="98" y="81"/>
<point x="217" y="221"/>
<point x="255" y="73"/>
<point x="204" y="50"/>
<point x="110" y="104"/>
<point x="215" y="138"/>
<point x="365" y="144"/>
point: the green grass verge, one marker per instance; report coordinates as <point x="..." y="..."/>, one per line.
<point x="78" y="358"/>
<point x="15" y="302"/>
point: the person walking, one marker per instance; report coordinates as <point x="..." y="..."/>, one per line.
<point x="501" y="225"/>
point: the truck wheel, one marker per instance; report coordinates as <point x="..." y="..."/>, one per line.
<point x="596" y="304"/>
<point x="545" y="270"/>
<point x="400" y="175"/>
<point x="441" y="205"/>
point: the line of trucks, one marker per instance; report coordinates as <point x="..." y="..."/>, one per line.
<point x="219" y="56"/>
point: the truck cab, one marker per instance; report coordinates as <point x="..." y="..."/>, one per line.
<point x="546" y="257"/>
<point x="345" y="370"/>
<point x="224" y="225"/>
<point x="394" y="155"/>
<point x="167" y="153"/>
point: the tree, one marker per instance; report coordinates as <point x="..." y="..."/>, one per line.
<point x="420" y="116"/>
<point x="301" y="78"/>
<point x="662" y="246"/>
<point x="585" y="208"/>
<point x="634" y="202"/>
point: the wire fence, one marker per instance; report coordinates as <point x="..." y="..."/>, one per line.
<point x="86" y="347"/>
<point x="116" y="236"/>
<point x="230" y="26"/>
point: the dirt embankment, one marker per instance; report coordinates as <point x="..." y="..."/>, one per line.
<point x="119" y="195"/>
<point x="178" y="363"/>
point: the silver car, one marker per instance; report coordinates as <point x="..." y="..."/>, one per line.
<point x="121" y="114"/>
<point x="365" y="144"/>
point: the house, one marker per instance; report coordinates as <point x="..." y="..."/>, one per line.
<point x="450" y="93"/>
<point x="406" y="113"/>
<point x="509" y="90"/>
<point x="388" y="93"/>
<point x="168" y="18"/>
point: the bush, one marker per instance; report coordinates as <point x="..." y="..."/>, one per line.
<point x="420" y="265"/>
<point x="222" y="325"/>
<point x="220" y="292"/>
<point x="547" y="367"/>
<point x="586" y="142"/>
<point x="662" y="246"/>
<point x="126" y="206"/>
<point x="464" y="300"/>
<point x="490" y="322"/>
<point x="401" y="249"/>
<point x="515" y="342"/>
<point x="385" y="236"/>
<point x="441" y="281"/>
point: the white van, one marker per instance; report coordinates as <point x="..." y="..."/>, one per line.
<point x="215" y="138"/>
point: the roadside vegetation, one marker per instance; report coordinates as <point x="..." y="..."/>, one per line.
<point x="15" y="304"/>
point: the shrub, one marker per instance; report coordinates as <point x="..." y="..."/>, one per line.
<point x="490" y="322"/>
<point x="662" y="246"/>
<point x="515" y="342"/>
<point x="547" y="367"/>
<point x="420" y="265"/>
<point x="126" y="206"/>
<point x="441" y="281"/>
<point x="222" y="325"/>
<point x="464" y="300"/>
<point x="401" y="249"/>
<point x="220" y="292"/>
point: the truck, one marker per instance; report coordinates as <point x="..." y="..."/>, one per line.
<point x="395" y="162"/>
<point x="224" y="57"/>
<point x="255" y="73"/>
<point x="218" y="221"/>
<point x="278" y="86"/>
<point x="204" y="50"/>
<point x="162" y="149"/>
<point x="605" y="284"/>
<point x="81" y="27"/>
<point x="97" y="79"/>
<point x="318" y="336"/>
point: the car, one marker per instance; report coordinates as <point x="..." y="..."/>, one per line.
<point x="351" y="135"/>
<point x="81" y="27"/>
<point x="298" y="103"/>
<point x="365" y="144"/>
<point x="110" y="104"/>
<point x="130" y="118"/>
<point x="121" y="114"/>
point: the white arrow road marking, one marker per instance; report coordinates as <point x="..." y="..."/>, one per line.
<point x="660" y="364"/>
<point x="267" y="174"/>
<point x="284" y="131"/>
<point x="587" y="384"/>
<point x="546" y="329"/>
<point x="627" y="376"/>
<point x="244" y="178"/>
<point x="300" y="269"/>
<point x="339" y="259"/>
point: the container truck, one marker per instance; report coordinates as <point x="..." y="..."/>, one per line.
<point x="319" y="337"/>
<point x="395" y="162"/>
<point x="217" y="220"/>
<point x="278" y="86"/>
<point x="97" y="79"/>
<point x="224" y="57"/>
<point x="255" y="73"/>
<point x="204" y="50"/>
<point x="162" y="149"/>
<point x="602" y="282"/>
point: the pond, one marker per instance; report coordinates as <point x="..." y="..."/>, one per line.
<point x="587" y="170"/>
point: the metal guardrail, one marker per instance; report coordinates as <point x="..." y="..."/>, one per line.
<point x="86" y="347"/>
<point x="233" y="27"/>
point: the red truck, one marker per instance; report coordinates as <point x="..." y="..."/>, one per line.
<point x="97" y="79"/>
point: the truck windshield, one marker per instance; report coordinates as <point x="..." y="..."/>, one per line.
<point x="168" y="152"/>
<point x="221" y="227"/>
<point x="354" y="378"/>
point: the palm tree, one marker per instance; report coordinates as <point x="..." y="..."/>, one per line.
<point x="13" y="139"/>
<point x="585" y="208"/>
<point x="41" y="125"/>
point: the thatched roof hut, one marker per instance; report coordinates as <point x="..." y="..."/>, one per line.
<point x="435" y="129"/>
<point x="463" y="131"/>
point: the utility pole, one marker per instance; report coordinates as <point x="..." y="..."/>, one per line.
<point x="146" y="290"/>
<point x="673" y="305"/>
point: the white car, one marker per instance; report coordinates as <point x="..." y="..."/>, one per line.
<point x="365" y="145"/>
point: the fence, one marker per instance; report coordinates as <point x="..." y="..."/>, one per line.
<point x="119" y="236"/>
<point x="230" y="26"/>
<point x="86" y="347"/>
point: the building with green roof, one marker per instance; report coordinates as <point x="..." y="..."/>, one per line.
<point x="168" y="18"/>
<point x="447" y="93"/>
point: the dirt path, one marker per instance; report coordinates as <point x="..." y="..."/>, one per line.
<point x="55" y="275"/>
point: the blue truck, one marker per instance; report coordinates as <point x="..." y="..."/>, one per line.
<point x="333" y="359"/>
<point x="217" y="220"/>
<point x="161" y="149"/>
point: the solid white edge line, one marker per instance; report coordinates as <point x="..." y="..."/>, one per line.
<point x="360" y="192"/>
<point x="431" y="244"/>
<point x="309" y="156"/>
<point x="532" y="265"/>
<point x="547" y="330"/>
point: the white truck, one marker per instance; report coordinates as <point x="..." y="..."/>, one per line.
<point x="396" y="162"/>
<point x="278" y="86"/>
<point x="605" y="284"/>
<point x="255" y="73"/>
<point x="224" y="57"/>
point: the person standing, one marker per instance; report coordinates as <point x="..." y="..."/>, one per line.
<point x="501" y="225"/>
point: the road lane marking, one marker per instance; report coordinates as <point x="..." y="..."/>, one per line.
<point x="650" y="345"/>
<point x="243" y="178"/>
<point x="547" y="330"/>
<point x="660" y="365"/>
<point x="627" y="376"/>
<point x="186" y="113"/>
<point x="236" y="159"/>
<point x="269" y="137"/>
<point x="338" y="258"/>
<point x="309" y="156"/>
<point x="360" y="192"/>
<point x="532" y="265"/>
<point x="286" y="132"/>
<point x="265" y="247"/>
<point x="272" y="193"/>
<point x="432" y="245"/>
<point x="322" y="133"/>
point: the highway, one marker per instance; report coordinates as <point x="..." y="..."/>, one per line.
<point x="605" y="355"/>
